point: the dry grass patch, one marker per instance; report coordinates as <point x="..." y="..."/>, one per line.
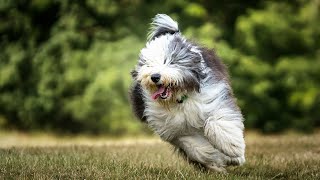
<point x="291" y="156"/>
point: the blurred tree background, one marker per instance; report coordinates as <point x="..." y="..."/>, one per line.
<point x="64" y="65"/>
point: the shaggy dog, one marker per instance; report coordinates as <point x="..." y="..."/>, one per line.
<point x="182" y="91"/>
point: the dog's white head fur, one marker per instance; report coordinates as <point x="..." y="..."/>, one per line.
<point x="169" y="66"/>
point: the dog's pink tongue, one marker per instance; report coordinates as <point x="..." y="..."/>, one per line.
<point x="158" y="92"/>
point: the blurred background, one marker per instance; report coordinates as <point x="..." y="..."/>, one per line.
<point x="64" y="65"/>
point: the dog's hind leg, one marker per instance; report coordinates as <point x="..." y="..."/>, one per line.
<point x="224" y="130"/>
<point x="198" y="149"/>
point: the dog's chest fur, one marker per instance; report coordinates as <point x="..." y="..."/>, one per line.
<point x="177" y="120"/>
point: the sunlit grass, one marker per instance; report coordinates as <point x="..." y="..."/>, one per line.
<point x="291" y="156"/>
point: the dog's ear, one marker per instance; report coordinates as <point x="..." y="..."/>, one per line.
<point x="134" y="74"/>
<point x="162" y="24"/>
<point x="137" y="101"/>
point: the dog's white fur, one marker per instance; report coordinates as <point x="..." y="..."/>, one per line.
<point x="208" y="126"/>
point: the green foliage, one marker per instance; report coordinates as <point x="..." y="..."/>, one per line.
<point x="64" y="65"/>
<point x="280" y="48"/>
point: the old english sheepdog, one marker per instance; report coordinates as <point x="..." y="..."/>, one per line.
<point x="182" y="91"/>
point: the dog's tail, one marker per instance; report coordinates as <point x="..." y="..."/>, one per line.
<point x="162" y="24"/>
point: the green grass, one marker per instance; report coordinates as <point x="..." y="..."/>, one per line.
<point x="290" y="156"/>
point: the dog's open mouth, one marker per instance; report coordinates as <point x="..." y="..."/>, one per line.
<point x="162" y="92"/>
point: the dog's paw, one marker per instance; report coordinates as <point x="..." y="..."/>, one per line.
<point x="231" y="150"/>
<point x="238" y="161"/>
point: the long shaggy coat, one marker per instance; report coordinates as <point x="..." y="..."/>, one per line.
<point x="182" y="91"/>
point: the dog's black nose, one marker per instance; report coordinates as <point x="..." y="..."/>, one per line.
<point x="155" y="77"/>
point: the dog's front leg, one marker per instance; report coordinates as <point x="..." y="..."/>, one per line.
<point x="224" y="129"/>
<point x="198" y="149"/>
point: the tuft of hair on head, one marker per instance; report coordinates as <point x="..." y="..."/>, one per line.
<point x="161" y="25"/>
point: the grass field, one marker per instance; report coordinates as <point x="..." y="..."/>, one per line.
<point x="290" y="156"/>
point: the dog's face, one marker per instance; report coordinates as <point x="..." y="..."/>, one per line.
<point x="168" y="68"/>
